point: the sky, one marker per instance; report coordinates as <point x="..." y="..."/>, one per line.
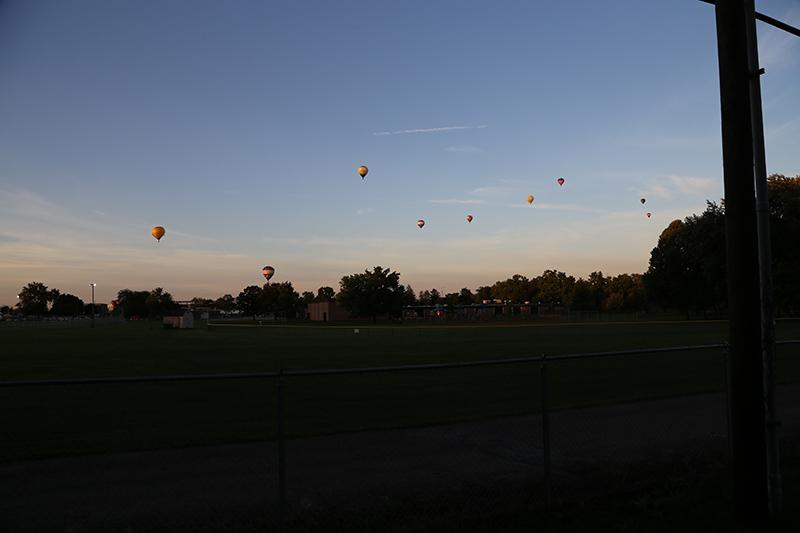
<point x="239" y="127"/>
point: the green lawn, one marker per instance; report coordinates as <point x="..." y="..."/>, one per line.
<point x="78" y="419"/>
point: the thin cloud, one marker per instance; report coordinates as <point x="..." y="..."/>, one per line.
<point x="427" y="130"/>
<point x="693" y="185"/>
<point x="455" y="201"/>
<point x="565" y="207"/>
<point x="465" y="149"/>
<point x="364" y="211"/>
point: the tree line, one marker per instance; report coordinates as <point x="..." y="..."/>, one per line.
<point x="686" y="273"/>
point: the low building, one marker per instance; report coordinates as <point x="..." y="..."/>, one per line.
<point x="326" y="312"/>
<point x="182" y="319"/>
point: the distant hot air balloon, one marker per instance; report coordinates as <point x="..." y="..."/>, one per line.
<point x="420" y="223"/>
<point x="268" y="272"/>
<point x="363" y="171"/>
<point x="530" y="199"/>
<point x="561" y="181"/>
<point x="648" y="215"/>
<point x="643" y="200"/>
<point x="469" y="218"/>
<point x="158" y="232"/>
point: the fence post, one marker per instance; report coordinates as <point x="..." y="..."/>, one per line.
<point x="545" y="433"/>
<point x="281" y="455"/>
<point x="726" y="359"/>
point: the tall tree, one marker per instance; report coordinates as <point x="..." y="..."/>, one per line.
<point x="687" y="266"/>
<point x="326" y="294"/>
<point x="67" y="305"/>
<point x="784" y="208"/>
<point x="133" y="303"/>
<point x="409" y="297"/>
<point x="554" y="286"/>
<point x="225" y="303"/>
<point x="158" y="302"/>
<point x="371" y="294"/>
<point x="516" y="289"/>
<point x="483" y="294"/>
<point x="34" y="297"/>
<point x="465" y="297"/>
<point x="248" y="300"/>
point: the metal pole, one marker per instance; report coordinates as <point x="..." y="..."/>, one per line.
<point x="765" y="263"/>
<point x="748" y="435"/>
<point x="92" y="285"/>
<point x="281" y="454"/>
<point x="546" y="434"/>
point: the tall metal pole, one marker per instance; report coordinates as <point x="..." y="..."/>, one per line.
<point x="748" y="448"/>
<point x="93" y="286"/>
<point x="765" y="263"/>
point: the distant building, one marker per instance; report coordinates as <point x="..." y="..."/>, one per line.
<point x="488" y="310"/>
<point x="327" y="312"/>
<point x="182" y="319"/>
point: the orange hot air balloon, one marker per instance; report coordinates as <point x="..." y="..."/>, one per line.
<point x="362" y="170"/>
<point x="469" y="218"/>
<point x="420" y="223"/>
<point x="561" y="181"/>
<point x="530" y="199"/>
<point x="643" y="200"/>
<point x="158" y="232"/>
<point x="648" y="215"/>
<point x="268" y="272"/>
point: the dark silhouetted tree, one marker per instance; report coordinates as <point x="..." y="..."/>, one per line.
<point x="34" y="297"/>
<point x="158" y="302"/>
<point x="371" y="294"/>
<point x="248" y="301"/>
<point x="67" y="305"/>
<point x="326" y="294"/>
<point x="133" y="303"/>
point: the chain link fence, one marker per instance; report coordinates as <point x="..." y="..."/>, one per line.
<point x="380" y="449"/>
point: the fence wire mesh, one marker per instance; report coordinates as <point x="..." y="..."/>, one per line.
<point x="400" y="448"/>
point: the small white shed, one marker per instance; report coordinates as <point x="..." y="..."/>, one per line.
<point x="183" y="319"/>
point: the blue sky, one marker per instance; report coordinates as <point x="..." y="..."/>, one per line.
<point x="239" y="127"/>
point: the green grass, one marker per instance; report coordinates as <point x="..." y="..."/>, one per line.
<point x="80" y="419"/>
<point x="49" y="421"/>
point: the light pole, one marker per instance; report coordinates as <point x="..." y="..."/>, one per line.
<point x="93" y="285"/>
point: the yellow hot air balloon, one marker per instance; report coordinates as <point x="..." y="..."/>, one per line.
<point x="469" y="218"/>
<point x="362" y="170"/>
<point x="530" y="199"/>
<point x="268" y="272"/>
<point x="420" y="223"/>
<point x="158" y="232"/>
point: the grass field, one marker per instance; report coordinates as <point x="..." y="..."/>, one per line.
<point x="77" y="419"/>
<point x="80" y="419"/>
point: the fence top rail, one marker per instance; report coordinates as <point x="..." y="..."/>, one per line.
<point x="282" y="373"/>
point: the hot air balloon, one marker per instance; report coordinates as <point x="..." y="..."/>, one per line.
<point x="268" y="272"/>
<point x="561" y="181"/>
<point x="530" y="199"/>
<point x="648" y="215"/>
<point x="420" y="223"/>
<point x="643" y="200"/>
<point x="363" y="171"/>
<point x="158" y="232"/>
<point x="469" y="218"/>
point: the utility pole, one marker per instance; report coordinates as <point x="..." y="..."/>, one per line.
<point x="748" y="447"/>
